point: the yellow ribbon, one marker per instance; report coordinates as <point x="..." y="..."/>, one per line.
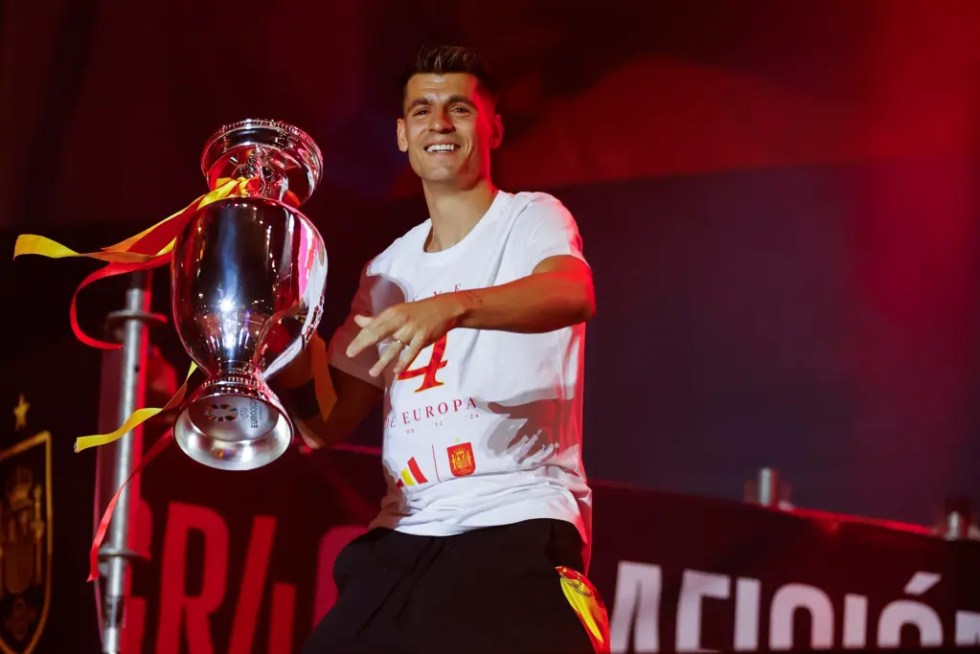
<point x="135" y="419"/>
<point x="124" y="252"/>
<point x="149" y="248"/>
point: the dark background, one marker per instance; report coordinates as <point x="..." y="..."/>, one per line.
<point x="779" y="201"/>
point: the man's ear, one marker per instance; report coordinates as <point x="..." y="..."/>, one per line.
<point x="400" y="133"/>
<point x="497" y="131"/>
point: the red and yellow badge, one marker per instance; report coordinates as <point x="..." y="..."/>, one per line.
<point x="25" y="543"/>
<point x="461" y="461"/>
<point x="412" y="474"/>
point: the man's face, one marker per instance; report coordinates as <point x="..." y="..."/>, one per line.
<point x="448" y="128"/>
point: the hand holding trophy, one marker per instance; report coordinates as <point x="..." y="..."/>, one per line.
<point x="247" y="281"/>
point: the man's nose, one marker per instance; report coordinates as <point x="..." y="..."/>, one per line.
<point x="440" y="122"/>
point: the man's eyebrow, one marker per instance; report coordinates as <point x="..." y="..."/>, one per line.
<point x="462" y="99"/>
<point x="417" y="102"/>
<point x="453" y="99"/>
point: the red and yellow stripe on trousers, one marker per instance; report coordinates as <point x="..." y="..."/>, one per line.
<point x="588" y="606"/>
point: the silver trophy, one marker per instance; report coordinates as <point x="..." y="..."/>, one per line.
<point x="247" y="283"/>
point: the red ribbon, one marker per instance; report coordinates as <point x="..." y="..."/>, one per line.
<point x="159" y="446"/>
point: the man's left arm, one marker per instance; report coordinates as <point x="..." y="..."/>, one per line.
<point x="557" y="293"/>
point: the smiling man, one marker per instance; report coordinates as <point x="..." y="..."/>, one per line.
<point x="471" y="328"/>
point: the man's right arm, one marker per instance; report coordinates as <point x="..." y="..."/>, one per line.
<point x="326" y="404"/>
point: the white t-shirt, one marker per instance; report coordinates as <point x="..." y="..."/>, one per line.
<point x="485" y="427"/>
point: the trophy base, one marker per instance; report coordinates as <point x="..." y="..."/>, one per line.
<point x="233" y="425"/>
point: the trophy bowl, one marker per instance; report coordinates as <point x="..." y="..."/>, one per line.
<point x="247" y="282"/>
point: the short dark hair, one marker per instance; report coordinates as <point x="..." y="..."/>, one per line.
<point x="440" y="58"/>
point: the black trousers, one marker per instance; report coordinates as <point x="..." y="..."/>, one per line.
<point x="488" y="590"/>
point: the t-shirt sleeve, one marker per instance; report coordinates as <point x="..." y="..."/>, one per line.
<point x="546" y="228"/>
<point x="365" y="303"/>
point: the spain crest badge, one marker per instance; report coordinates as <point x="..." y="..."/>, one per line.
<point x="25" y="543"/>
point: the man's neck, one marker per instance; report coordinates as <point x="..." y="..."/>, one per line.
<point x="454" y="212"/>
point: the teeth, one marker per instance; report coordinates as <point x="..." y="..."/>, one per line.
<point x="441" y="147"/>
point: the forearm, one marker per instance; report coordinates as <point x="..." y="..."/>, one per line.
<point x="329" y="406"/>
<point x="310" y="406"/>
<point x="541" y="302"/>
<point x="306" y="389"/>
<point x="319" y="431"/>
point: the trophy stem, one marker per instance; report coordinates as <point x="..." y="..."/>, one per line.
<point x="243" y="368"/>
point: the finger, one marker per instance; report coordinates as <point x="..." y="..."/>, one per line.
<point x="408" y="354"/>
<point x="368" y="336"/>
<point x="362" y="340"/>
<point x="386" y="358"/>
<point x="401" y="337"/>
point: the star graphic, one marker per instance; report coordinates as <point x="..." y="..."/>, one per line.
<point x="20" y="413"/>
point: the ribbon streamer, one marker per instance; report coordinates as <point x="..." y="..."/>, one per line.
<point x="150" y="248"/>
<point x="135" y="419"/>
<point x="93" y="562"/>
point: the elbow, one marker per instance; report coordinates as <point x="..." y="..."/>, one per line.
<point x="587" y="311"/>
<point x="586" y="304"/>
<point x="573" y="298"/>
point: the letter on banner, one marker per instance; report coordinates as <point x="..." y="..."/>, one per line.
<point x="855" y="621"/>
<point x="747" y="593"/>
<point x="785" y="603"/>
<point x="638" y="588"/>
<point x="967" y="628"/>
<point x="695" y="586"/>
<point x="900" y="613"/>
<point x="175" y="605"/>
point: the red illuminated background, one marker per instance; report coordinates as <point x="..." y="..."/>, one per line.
<point x="779" y="200"/>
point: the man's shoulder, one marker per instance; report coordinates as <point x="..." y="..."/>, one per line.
<point x="538" y="205"/>
<point x="528" y="199"/>
<point x="532" y="208"/>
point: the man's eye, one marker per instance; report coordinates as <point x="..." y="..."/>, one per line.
<point x="461" y="110"/>
<point x="421" y="112"/>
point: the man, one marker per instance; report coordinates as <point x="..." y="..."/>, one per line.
<point x="471" y="328"/>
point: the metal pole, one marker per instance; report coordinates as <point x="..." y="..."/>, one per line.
<point x="767" y="490"/>
<point x="117" y="460"/>
<point x="957" y="518"/>
<point x="768" y="487"/>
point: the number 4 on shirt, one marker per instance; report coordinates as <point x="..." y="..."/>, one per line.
<point x="428" y="371"/>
